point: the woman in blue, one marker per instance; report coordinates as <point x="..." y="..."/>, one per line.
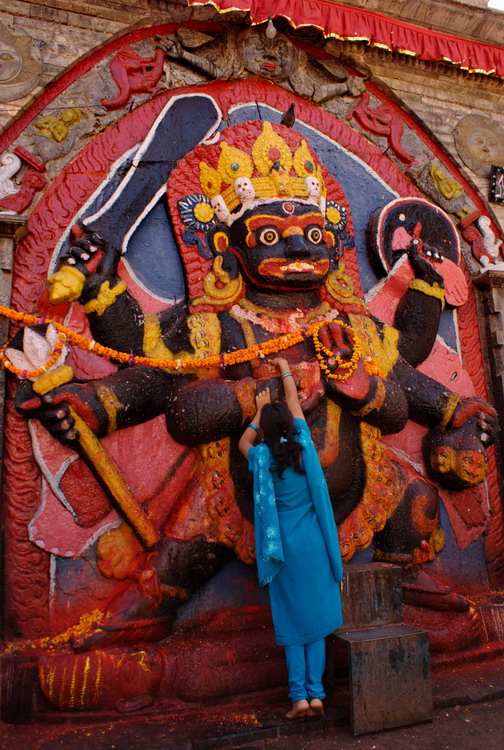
<point x="296" y="541"/>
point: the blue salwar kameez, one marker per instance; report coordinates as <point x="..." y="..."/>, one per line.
<point x="298" y="557"/>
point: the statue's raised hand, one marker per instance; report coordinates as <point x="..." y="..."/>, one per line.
<point x="82" y="269"/>
<point x="424" y="264"/>
<point x="341" y="342"/>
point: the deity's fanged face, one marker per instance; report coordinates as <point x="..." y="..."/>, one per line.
<point x="282" y="244"/>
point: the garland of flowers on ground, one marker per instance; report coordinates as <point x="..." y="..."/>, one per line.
<point x="273" y="346"/>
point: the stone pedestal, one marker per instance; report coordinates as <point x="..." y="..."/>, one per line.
<point x="389" y="662"/>
<point x="371" y="595"/>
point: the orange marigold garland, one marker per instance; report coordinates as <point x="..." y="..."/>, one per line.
<point x="273" y="346"/>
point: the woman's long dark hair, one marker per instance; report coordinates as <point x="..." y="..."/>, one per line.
<point x="279" y="435"/>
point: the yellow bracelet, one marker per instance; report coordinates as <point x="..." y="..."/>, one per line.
<point x="448" y="411"/>
<point x="105" y="297"/>
<point x="431" y="290"/>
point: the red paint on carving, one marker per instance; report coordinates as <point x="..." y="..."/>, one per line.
<point x="31" y="183"/>
<point x="56" y="211"/>
<point x="133" y="74"/>
<point x="30" y="159"/>
<point x="382" y="120"/>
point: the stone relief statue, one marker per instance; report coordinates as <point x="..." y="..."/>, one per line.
<point x="271" y="56"/>
<point x="266" y="240"/>
<point x="479" y="143"/>
<point x="20" y="65"/>
<point x="278" y="228"/>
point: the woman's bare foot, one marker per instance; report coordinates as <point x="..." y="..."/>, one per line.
<point x="316" y="707"/>
<point x="299" y="710"/>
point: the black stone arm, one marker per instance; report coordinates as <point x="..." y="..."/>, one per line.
<point x="121" y="325"/>
<point x="132" y="396"/>
<point x="385" y="407"/>
<point x="200" y="411"/>
<point x="430" y="403"/>
<point x="417" y="320"/>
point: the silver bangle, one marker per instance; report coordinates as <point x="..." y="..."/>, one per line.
<point x="286" y="375"/>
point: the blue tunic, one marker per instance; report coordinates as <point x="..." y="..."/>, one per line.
<point x="304" y="589"/>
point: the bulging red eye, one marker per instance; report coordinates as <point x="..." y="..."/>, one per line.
<point x="269" y="236"/>
<point x="314" y="235"/>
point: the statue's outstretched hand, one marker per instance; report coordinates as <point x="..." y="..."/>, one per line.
<point x="88" y="262"/>
<point x="53" y="409"/>
<point x="485" y="414"/>
<point x="339" y="341"/>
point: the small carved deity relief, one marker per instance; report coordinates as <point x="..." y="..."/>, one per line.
<point x="20" y="65"/>
<point x="262" y="52"/>
<point x="58" y="128"/>
<point x="480" y="143"/>
<point x="271" y="58"/>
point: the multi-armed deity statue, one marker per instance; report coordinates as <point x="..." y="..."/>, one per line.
<point x="283" y="279"/>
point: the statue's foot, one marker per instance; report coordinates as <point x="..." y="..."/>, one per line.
<point x="420" y="589"/>
<point x="136" y="615"/>
<point x="115" y="632"/>
<point x="448" y="631"/>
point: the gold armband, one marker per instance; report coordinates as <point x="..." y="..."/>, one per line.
<point x="447" y="413"/>
<point x="375" y="403"/>
<point x="105" y="298"/>
<point x="52" y="379"/>
<point x="431" y="290"/>
<point x="110" y="403"/>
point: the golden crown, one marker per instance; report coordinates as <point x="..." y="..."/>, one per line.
<point x="269" y="170"/>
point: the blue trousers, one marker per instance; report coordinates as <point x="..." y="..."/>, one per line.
<point x="305" y="665"/>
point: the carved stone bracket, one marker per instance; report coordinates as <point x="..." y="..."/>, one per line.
<point x="491" y="285"/>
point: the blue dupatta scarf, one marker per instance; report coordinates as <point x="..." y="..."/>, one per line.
<point x="268" y="542"/>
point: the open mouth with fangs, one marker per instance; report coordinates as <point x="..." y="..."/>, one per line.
<point x="280" y="268"/>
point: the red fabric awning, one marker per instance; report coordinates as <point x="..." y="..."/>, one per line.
<point x="354" y="24"/>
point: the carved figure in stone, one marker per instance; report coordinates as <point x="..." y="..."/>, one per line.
<point x="58" y="128"/>
<point x="278" y="227"/>
<point x="133" y="74"/>
<point x="480" y="143"/>
<point x="492" y="245"/>
<point x="20" y="65"/>
<point x="32" y="181"/>
<point x="456" y="458"/>
<point x="445" y="185"/>
<point x="271" y="56"/>
<point x="485" y="247"/>
<point x="384" y="121"/>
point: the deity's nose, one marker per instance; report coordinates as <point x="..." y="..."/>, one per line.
<point x="295" y="244"/>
